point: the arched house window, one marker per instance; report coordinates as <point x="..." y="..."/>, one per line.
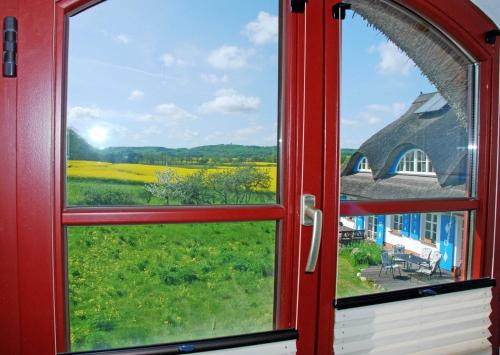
<point x="415" y="161"/>
<point x="363" y="165"/>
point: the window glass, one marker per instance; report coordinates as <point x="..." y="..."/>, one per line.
<point x="401" y="251"/>
<point x="147" y="284"/>
<point x="406" y="106"/>
<point x="397" y="223"/>
<point x="169" y="109"/>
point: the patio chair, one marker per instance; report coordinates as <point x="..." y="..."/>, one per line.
<point x="426" y="254"/>
<point x="430" y="269"/>
<point x="387" y="264"/>
<point x="398" y="249"/>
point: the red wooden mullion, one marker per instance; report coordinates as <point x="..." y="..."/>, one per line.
<point x="311" y="149"/>
<point x="172" y="215"/>
<point x="9" y="299"/>
<point x="35" y="177"/>
<point x="357" y="208"/>
<point x="285" y="308"/>
<point x="331" y="187"/>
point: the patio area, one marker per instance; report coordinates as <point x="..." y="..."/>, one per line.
<point x="408" y="279"/>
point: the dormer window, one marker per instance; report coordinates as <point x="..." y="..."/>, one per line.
<point x="363" y="165"/>
<point x="415" y="161"/>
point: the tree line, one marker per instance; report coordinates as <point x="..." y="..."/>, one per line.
<point x="230" y="154"/>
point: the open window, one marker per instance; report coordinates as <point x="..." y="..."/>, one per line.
<point x="409" y="105"/>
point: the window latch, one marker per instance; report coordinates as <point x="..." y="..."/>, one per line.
<point x="298" y="6"/>
<point x="491" y="36"/>
<point x="9" y="47"/>
<point x="339" y="9"/>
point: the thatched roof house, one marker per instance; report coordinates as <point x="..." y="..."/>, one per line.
<point x="430" y="125"/>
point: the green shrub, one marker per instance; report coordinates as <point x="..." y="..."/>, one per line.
<point x="106" y="196"/>
<point x="364" y="253"/>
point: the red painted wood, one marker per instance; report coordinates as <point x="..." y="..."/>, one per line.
<point x="285" y="309"/>
<point x="35" y="176"/>
<point x="493" y="242"/>
<point x="9" y="296"/>
<point x="331" y="186"/>
<point x="171" y="215"/>
<point x="60" y="258"/>
<point x="311" y="148"/>
<point x="357" y="208"/>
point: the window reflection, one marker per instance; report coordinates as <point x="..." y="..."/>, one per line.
<point x="371" y="247"/>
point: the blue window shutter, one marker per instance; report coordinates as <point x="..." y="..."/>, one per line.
<point x="406" y="225"/>
<point x="447" y="242"/>
<point x="380" y="229"/>
<point x="360" y="223"/>
<point x="415" y="226"/>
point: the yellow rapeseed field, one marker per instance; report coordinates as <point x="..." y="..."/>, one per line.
<point x="142" y="172"/>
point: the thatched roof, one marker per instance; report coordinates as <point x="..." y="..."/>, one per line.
<point x="442" y="62"/>
<point x="436" y="131"/>
<point x="363" y="186"/>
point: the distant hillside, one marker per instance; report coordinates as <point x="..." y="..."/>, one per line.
<point x="79" y="149"/>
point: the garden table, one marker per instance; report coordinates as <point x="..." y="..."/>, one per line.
<point x="410" y="259"/>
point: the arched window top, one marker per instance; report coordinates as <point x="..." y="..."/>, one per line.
<point x="363" y="165"/>
<point x="415" y="161"/>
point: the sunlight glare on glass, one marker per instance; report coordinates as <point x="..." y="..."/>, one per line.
<point x="98" y="134"/>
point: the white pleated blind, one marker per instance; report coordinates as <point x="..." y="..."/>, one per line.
<point x="278" y="348"/>
<point x="454" y="323"/>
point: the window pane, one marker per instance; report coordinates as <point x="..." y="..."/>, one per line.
<point x="169" y="109"/>
<point x="146" y="284"/>
<point x="407" y="94"/>
<point x="429" y="249"/>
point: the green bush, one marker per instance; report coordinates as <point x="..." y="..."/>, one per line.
<point x="105" y="196"/>
<point x="364" y="253"/>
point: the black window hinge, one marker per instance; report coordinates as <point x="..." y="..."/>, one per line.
<point x="339" y="9"/>
<point x="9" y="47"/>
<point x="297" y="6"/>
<point x="491" y="36"/>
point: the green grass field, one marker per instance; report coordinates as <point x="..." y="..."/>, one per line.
<point x="132" y="285"/>
<point x="146" y="284"/>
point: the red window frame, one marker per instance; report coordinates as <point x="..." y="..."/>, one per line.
<point x="466" y="24"/>
<point x="281" y="212"/>
<point x="31" y="262"/>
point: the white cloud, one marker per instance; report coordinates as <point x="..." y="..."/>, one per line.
<point x="83" y="113"/>
<point x="229" y="57"/>
<point x="262" y="30"/>
<point x="248" y="131"/>
<point x="169" y="60"/>
<point x="121" y="38"/>
<point x="228" y="101"/>
<point x="136" y="95"/>
<point x="348" y="122"/>
<point x="395" y="109"/>
<point x="170" y="113"/>
<point x="374" y="114"/>
<point x="392" y="59"/>
<point x="214" y="79"/>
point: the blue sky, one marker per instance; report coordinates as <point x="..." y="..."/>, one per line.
<point x="379" y="82"/>
<point x="185" y="73"/>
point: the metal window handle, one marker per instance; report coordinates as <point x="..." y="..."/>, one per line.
<point x="311" y="216"/>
